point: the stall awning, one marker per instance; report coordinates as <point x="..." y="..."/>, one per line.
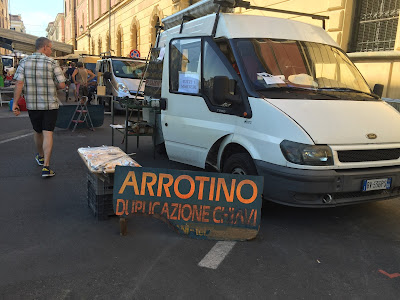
<point x="13" y="40"/>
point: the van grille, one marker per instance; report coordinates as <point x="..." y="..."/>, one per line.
<point x="368" y="155"/>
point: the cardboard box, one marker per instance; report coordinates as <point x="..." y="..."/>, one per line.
<point x="101" y="90"/>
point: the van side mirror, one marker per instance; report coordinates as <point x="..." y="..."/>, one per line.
<point x="221" y="91"/>
<point x="107" y="75"/>
<point x="378" y="89"/>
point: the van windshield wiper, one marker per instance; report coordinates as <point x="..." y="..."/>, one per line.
<point x="293" y="88"/>
<point x="349" y="90"/>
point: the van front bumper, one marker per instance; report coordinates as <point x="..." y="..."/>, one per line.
<point x="324" y="188"/>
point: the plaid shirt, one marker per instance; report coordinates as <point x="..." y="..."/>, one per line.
<point x="40" y="74"/>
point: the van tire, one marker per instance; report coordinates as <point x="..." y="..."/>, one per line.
<point x="239" y="163"/>
<point x="160" y="149"/>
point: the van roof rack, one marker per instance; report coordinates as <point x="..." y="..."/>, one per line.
<point x="206" y="7"/>
<point x="247" y="5"/>
<point x="105" y="54"/>
<point x="84" y="54"/>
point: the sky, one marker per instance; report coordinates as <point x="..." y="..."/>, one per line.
<point x="36" y="15"/>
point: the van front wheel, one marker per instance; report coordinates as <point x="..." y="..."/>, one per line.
<point x="241" y="164"/>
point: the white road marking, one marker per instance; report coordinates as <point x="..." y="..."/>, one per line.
<point x="217" y="254"/>
<point x="16" y="138"/>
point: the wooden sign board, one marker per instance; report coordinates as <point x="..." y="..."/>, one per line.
<point x="199" y="204"/>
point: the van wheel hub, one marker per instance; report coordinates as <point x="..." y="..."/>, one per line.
<point x="240" y="164"/>
<point x="238" y="171"/>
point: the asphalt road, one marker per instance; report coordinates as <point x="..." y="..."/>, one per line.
<point x="53" y="248"/>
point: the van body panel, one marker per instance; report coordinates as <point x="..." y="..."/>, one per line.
<point x="263" y="133"/>
<point x="184" y="127"/>
<point x="234" y="26"/>
<point x="338" y="122"/>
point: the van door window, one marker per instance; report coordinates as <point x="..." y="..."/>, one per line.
<point x="185" y="66"/>
<point x="213" y="66"/>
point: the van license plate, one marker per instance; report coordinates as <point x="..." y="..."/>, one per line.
<point x="376" y="184"/>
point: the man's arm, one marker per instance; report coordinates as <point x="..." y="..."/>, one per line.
<point x="73" y="75"/>
<point x="59" y="78"/>
<point x="91" y="75"/>
<point x="17" y="94"/>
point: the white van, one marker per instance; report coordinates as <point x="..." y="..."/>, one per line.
<point x="8" y="63"/>
<point x="121" y="76"/>
<point x="278" y="98"/>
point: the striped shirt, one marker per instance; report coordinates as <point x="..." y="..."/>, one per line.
<point x="40" y="74"/>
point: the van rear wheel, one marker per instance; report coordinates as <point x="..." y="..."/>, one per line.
<point x="241" y="164"/>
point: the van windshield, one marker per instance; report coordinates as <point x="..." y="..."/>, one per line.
<point x="7" y="62"/>
<point x="272" y="65"/>
<point x="128" y="69"/>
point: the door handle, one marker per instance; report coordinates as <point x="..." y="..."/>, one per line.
<point x="163" y="103"/>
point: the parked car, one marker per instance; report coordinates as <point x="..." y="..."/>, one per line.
<point x="122" y="77"/>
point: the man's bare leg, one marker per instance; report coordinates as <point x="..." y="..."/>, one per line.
<point x="38" y="138"/>
<point x="47" y="146"/>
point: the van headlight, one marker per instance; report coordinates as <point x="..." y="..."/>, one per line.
<point x="302" y="154"/>
<point x="122" y="88"/>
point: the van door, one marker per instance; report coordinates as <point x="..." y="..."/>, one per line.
<point x="193" y="121"/>
<point x="108" y="82"/>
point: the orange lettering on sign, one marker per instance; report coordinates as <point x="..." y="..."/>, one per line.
<point x="139" y="206"/>
<point x="149" y="184"/>
<point x="133" y="206"/>
<point x="173" y="215"/>
<point x="192" y="187"/>
<point x="180" y="211"/>
<point x="201" y="179"/>
<point x="155" y="204"/>
<point x="126" y="207"/>
<point x="255" y="217"/>
<point x="183" y="212"/>
<point x="196" y="213"/>
<point x="228" y="196"/>
<point x="212" y="186"/>
<point x="165" y="210"/>
<point x="118" y="212"/>
<point x="214" y="213"/>
<point x="133" y="183"/>
<point x="165" y="185"/>
<point x="251" y="215"/>
<point x="239" y="214"/>
<point x="206" y="209"/>
<point x="239" y="190"/>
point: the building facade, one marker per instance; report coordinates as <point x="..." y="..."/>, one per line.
<point x="4" y="20"/>
<point x="367" y="29"/>
<point x="17" y="24"/>
<point x="55" y="30"/>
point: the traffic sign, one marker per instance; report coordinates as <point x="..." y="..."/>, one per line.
<point x="134" y="53"/>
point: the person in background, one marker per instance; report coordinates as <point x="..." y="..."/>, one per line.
<point x="92" y="84"/>
<point x="71" y="85"/>
<point x="41" y="98"/>
<point x="80" y="78"/>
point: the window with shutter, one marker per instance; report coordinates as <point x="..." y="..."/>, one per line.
<point x="376" y="25"/>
